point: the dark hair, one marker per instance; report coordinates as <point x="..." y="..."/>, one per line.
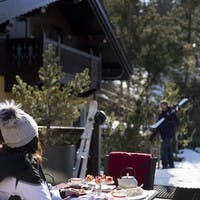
<point x="1" y="138"/>
<point x="15" y="198"/>
<point x="33" y="147"/>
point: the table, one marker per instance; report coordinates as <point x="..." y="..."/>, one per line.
<point x="151" y="196"/>
<point x="102" y="191"/>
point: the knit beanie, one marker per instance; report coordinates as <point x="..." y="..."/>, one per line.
<point x="164" y="101"/>
<point x="17" y="127"/>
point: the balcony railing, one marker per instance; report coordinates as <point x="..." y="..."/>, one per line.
<point x="24" y="55"/>
<point x="74" y="60"/>
<point x="24" y="58"/>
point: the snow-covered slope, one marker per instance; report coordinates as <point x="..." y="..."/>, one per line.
<point x="185" y="173"/>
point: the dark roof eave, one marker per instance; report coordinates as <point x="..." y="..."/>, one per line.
<point x="10" y="9"/>
<point x="102" y="17"/>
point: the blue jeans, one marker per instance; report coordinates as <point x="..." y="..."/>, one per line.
<point x="167" y="153"/>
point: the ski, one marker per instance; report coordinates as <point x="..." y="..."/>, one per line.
<point x="173" y="110"/>
<point x="158" y="123"/>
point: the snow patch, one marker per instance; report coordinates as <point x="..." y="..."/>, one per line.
<point x="185" y="174"/>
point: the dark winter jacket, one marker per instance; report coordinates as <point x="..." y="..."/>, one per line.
<point x="20" y="165"/>
<point x="168" y="127"/>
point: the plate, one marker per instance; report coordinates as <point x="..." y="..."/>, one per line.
<point x="111" y="183"/>
<point x="138" y="197"/>
<point x="107" y="188"/>
<point x="92" y="182"/>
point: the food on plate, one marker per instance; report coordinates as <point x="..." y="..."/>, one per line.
<point x="109" y="180"/>
<point x="118" y="195"/>
<point x="129" y="192"/>
<point x="103" y="176"/>
<point x="75" y="186"/>
<point x="98" y="179"/>
<point x="71" y="192"/>
<point x="89" y="178"/>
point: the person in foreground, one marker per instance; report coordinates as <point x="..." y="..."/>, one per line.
<point x="20" y="156"/>
<point x="167" y="132"/>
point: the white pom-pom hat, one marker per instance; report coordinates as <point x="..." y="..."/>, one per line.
<point x="17" y="127"/>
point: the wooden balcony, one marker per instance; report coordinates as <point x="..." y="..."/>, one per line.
<point x="24" y="58"/>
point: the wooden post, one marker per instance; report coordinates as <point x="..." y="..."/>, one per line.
<point x="93" y="162"/>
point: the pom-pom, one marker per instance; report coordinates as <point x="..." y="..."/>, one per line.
<point x="9" y="113"/>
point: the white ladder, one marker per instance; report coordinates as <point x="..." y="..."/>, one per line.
<point x="82" y="154"/>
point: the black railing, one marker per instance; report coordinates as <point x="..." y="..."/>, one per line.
<point x="74" y="60"/>
<point x="24" y="58"/>
<point x="24" y="55"/>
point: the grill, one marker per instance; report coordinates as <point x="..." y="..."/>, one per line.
<point x="177" y="193"/>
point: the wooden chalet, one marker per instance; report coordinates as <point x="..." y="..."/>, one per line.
<point x="80" y="30"/>
<point x="81" y="33"/>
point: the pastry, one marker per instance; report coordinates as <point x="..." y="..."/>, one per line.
<point x="89" y="178"/>
<point x="98" y="179"/>
<point x="109" y="180"/>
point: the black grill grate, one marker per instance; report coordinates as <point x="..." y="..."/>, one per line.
<point x="165" y="192"/>
<point x="177" y="193"/>
<point x="187" y="194"/>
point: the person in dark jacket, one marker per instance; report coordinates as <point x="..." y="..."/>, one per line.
<point x="167" y="133"/>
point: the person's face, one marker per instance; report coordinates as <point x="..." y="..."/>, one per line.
<point x="163" y="106"/>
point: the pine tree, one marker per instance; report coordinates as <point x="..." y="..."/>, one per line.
<point x="159" y="39"/>
<point x="164" y="6"/>
<point x="53" y="102"/>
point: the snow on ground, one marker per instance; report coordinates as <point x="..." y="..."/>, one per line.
<point x="185" y="173"/>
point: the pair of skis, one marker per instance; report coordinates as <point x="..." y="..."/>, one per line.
<point x="173" y="110"/>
